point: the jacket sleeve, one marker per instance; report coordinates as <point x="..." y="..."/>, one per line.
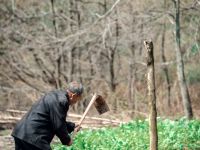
<point x="70" y="126"/>
<point x="58" y="113"/>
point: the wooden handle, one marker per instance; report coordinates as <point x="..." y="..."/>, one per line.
<point x="87" y="109"/>
<point x="85" y="113"/>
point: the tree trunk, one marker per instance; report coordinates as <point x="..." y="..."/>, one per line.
<point x="72" y="9"/>
<point x="163" y="59"/>
<point x="58" y="54"/>
<point x="197" y="36"/>
<point x="78" y="44"/>
<point x="132" y="78"/>
<point x="152" y="96"/>
<point x="71" y="64"/>
<point x="13" y="6"/>
<point x="112" y="52"/>
<point x="180" y="66"/>
<point x="165" y="70"/>
<point x="142" y="37"/>
<point x="111" y="70"/>
<point x="130" y="87"/>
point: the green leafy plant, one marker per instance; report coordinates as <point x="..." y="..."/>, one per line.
<point x="180" y="134"/>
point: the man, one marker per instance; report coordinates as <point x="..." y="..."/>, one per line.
<point x="46" y="118"/>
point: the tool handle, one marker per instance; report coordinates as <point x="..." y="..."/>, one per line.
<point x="85" y="113"/>
<point x="87" y="109"/>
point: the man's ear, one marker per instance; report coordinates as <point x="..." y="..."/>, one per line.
<point x="73" y="95"/>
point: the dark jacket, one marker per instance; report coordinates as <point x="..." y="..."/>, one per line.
<point x="45" y="119"/>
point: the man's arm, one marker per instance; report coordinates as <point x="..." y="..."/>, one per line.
<point x="70" y="126"/>
<point x="58" y="111"/>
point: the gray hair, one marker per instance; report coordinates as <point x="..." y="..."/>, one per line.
<point x="75" y="87"/>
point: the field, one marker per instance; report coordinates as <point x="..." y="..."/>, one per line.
<point x="173" y="135"/>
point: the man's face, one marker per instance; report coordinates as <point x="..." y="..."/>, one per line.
<point x="74" y="98"/>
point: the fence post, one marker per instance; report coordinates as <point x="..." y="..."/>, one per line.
<point x="151" y="95"/>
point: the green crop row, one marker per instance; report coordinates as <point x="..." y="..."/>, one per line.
<point x="173" y="135"/>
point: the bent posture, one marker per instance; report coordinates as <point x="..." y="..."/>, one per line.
<point x="46" y="118"/>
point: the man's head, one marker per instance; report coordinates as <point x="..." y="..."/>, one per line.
<point x="75" y="91"/>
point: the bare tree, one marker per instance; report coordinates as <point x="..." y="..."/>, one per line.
<point x="95" y="42"/>
<point x="163" y="59"/>
<point x="73" y="25"/>
<point x="180" y="65"/>
<point x="132" y="100"/>
<point x="58" y="53"/>
<point x="13" y="6"/>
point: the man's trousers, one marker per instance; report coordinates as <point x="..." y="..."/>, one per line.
<point x="22" y="145"/>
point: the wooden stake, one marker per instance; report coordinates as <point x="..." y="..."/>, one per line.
<point x="151" y="96"/>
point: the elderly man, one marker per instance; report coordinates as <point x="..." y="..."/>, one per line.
<point x="46" y="118"/>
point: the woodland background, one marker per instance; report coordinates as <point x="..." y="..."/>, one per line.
<point x="46" y="44"/>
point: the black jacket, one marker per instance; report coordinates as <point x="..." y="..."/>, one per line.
<point x="45" y="119"/>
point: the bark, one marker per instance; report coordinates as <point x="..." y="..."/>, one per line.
<point x="142" y="37"/>
<point x="73" y="29"/>
<point x="58" y="53"/>
<point x="111" y="49"/>
<point x="163" y="59"/>
<point x="111" y="70"/>
<point x="180" y="66"/>
<point x="112" y="52"/>
<point x="90" y="62"/>
<point x="133" y="106"/>
<point x="130" y="86"/>
<point x="78" y="44"/>
<point x="71" y="64"/>
<point x="152" y="96"/>
<point x="197" y="38"/>
<point x="132" y="102"/>
<point x="13" y="6"/>
<point x="165" y="69"/>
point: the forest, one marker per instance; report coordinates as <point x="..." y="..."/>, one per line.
<point x="44" y="45"/>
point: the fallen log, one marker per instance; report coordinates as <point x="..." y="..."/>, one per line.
<point x="12" y="116"/>
<point x="73" y="116"/>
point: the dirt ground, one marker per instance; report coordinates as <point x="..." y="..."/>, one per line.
<point x="6" y="140"/>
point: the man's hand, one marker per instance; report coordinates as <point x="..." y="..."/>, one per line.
<point x="70" y="142"/>
<point x="77" y="128"/>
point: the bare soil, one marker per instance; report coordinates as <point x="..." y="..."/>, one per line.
<point x="6" y="140"/>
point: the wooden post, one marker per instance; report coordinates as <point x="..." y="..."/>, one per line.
<point x="151" y="96"/>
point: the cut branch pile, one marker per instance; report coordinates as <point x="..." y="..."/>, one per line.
<point x="9" y="118"/>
